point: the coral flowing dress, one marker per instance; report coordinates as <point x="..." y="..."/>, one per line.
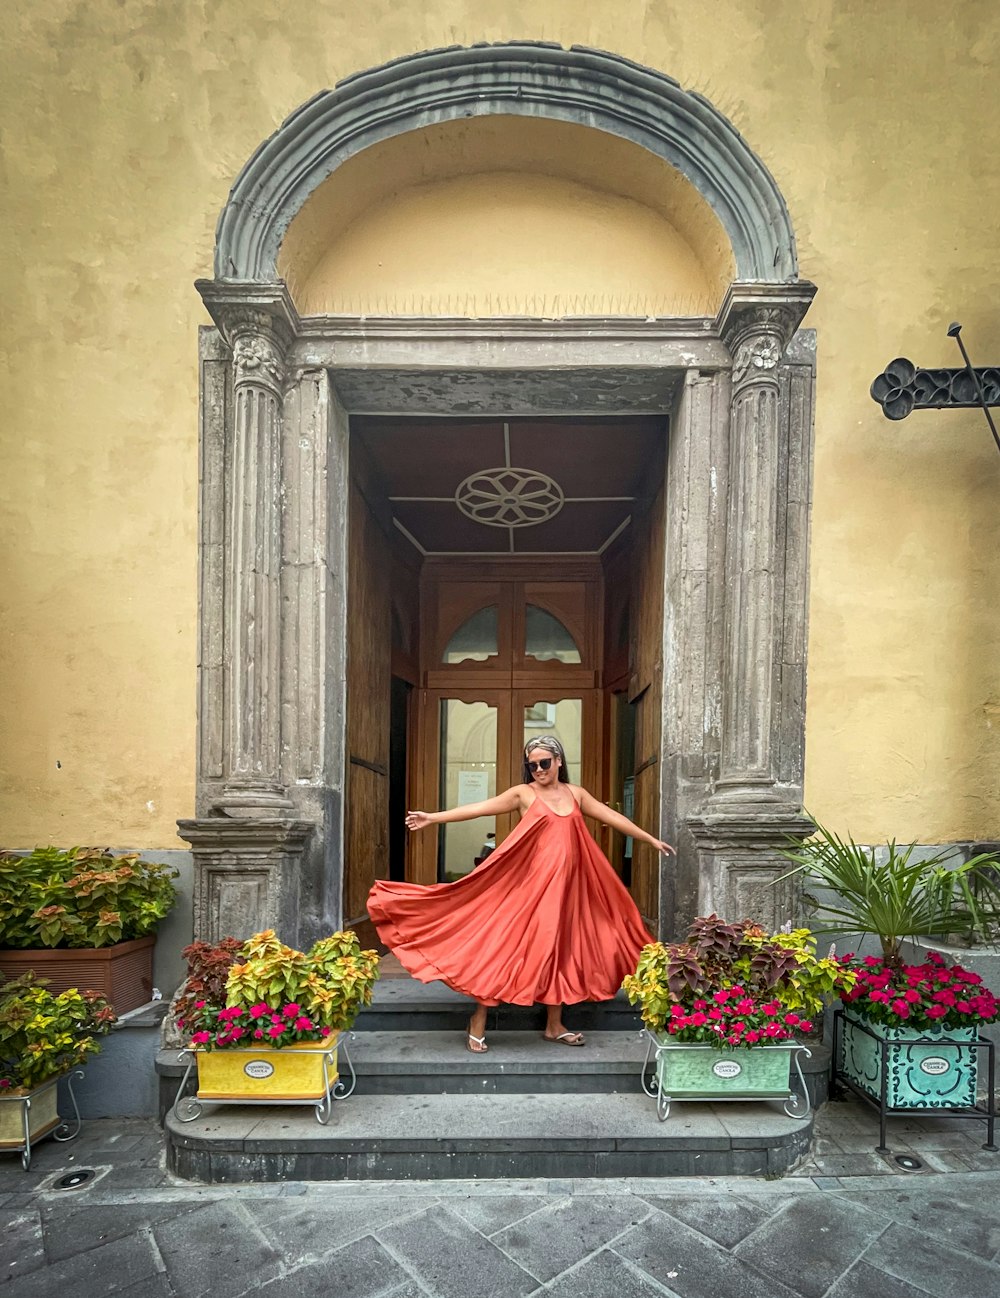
<point x="544" y="918"/>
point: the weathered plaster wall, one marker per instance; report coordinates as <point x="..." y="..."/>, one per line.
<point x="123" y="126"/>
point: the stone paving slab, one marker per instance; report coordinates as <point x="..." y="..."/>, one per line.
<point x="135" y="1230"/>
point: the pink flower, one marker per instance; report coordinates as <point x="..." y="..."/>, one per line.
<point x="697" y="1019"/>
<point x="772" y="1008"/>
<point x="291" y="1009"/>
<point x="745" y="1006"/>
<point x="805" y="1025"/>
<point x="715" y="1013"/>
<point x="792" y="1020"/>
<point x="258" y="1011"/>
<point x="911" y="995"/>
<point x="772" y="1030"/>
<point x="721" y="996"/>
<point x="872" y="960"/>
<point x="302" y="1024"/>
<point x="936" y="1011"/>
<point x="200" y="1038"/>
<point x="258" y="1033"/>
<point x="199" y="1005"/>
<point x="901" y="1008"/>
<point x="753" y="1035"/>
<point x="275" y="1030"/>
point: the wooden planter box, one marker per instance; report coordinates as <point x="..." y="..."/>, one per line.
<point x="123" y="973"/>
<point x="292" y="1072"/>
<point x="939" y="1073"/>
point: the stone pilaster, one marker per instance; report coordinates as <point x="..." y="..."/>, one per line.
<point x="756" y="322"/>
<point x="754" y="809"/>
<point x="258" y="325"/>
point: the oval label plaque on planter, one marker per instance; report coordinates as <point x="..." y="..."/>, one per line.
<point x="258" y="1068"/>
<point x="934" y="1066"/>
<point x="727" y="1068"/>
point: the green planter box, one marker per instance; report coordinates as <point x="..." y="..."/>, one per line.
<point x="940" y="1074"/>
<point x="703" y="1072"/>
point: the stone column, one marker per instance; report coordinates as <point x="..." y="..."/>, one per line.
<point x="258" y="335"/>
<point x="756" y="323"/>
<point x="753" y="809"/>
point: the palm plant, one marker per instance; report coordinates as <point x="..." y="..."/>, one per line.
<point x="898" y="897"/>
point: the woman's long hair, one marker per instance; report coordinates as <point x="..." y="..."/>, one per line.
<point x="551" y="745"/>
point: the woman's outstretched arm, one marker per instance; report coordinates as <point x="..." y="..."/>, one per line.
<point x="599" y="811"/>
<point x="510" y="800"/>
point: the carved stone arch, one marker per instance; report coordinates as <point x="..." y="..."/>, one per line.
<point x="578" y="85"/>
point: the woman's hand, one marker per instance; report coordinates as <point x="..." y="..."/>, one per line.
<point x="663" y="848"/>
<point x="418" y="819"/>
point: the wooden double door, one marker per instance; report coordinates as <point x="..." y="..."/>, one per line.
<point x="506" y="658"/>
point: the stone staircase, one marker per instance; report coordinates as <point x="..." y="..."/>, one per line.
<point x="427" y="1108"/>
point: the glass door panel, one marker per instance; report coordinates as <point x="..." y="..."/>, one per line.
<point x="468" y="774"/>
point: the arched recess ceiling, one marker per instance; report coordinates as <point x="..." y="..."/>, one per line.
<point x="505" y="215"/>
<point x="525" y="79"/>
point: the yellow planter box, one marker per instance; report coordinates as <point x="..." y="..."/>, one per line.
<point x="43" y="1116"/>
<point x="294" y="1072"/>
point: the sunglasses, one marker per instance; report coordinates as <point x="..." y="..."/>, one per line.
<point x="543" y="765"/>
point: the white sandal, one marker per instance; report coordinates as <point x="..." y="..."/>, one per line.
<point x="480" y="1042"/>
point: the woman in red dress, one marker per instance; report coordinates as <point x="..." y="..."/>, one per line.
<point x="544" y="919"/>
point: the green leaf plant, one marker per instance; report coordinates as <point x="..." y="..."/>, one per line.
<point x="897" y="897"/>
<point x="80" y="897"/>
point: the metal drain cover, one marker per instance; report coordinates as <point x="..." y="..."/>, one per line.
<point x="909" y="1162"/>
<point x="74" y="1180"/>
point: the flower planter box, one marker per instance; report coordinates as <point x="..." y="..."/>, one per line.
<point x="689" y="1071"/>
<point x="695" y="1070"/>
<point x="262" y="1073"/>
<point x="939" y="1073"/>
<point x="27" y="1116"/>
<point x="123" y="972"/>
<point x="42" y="1112"/>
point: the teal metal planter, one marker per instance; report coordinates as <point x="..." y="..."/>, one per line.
<point x="907" y="1070"/>
<point x="687" y="1071"/>
<point x="925" y="1070"/>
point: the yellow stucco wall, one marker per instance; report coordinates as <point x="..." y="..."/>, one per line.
<point x="124" y="125"/>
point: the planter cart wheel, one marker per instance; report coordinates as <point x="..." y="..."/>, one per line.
<point x="717" y="1086"/>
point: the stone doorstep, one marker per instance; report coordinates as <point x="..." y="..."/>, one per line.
<point x="483" y="1135"/>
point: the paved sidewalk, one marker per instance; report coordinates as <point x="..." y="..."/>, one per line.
<point x="848" y="1224"/>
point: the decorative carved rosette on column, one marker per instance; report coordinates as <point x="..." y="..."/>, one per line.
<point x="757" y="323"/>
<point x="258" y="327"/>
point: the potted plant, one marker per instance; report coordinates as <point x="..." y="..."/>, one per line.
<point x="727" y="1007"/>
<point x="271" y="1033"/>
<point x="907" y="1032"/>
<point x="84" y="917"/>
<point x="43" y="1036"/>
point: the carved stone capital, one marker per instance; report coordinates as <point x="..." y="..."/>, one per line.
<point x="757" y="322"/>
<point x="261" y="315"/>
<point x="257" y="359"/>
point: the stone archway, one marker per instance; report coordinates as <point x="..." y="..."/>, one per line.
<point x="277" y="392"/>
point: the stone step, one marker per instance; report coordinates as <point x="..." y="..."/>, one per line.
<point x="405" y="1005"/>
<point x="430" y="1137"/>
<point x="412" y="1063"/>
